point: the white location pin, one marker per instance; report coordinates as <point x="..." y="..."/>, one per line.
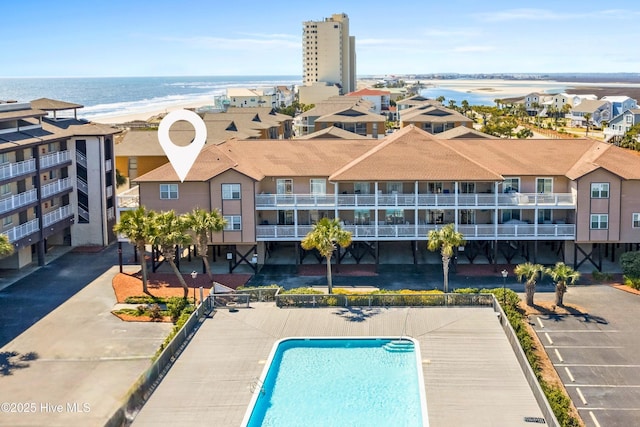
<point x="182" y="158"/>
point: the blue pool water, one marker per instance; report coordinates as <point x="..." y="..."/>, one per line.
<point x="340" y="382"/>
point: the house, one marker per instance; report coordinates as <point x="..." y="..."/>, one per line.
<point x="577" y="99"/>
<point x="379" y="99"/>
<point x="599" y="111"/>
<point x="620" y="125"/>
<point x="57" y="179"/>
<point x="433" y="119"/>
<point x="357" y="119"/>
<point x="415" y="101"/>
<point x="305" y="123"/>
<point x="620" y="104"/>
<point x="244" y="98"/>
<point x="505" y="196"/>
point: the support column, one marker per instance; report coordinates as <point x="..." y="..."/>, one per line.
<point x="120" y="256"/>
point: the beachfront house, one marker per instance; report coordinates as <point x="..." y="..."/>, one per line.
<point x="510" y="202"/>
<point x="620" y="104"/>
<point x="620" y="125"/>
<point x="599" y="111"/>
<point x="379" y="99"/>
<point x="433" y="118"/>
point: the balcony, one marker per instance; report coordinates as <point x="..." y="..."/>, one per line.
<point x="18" y="200"/>
<point x="56" y="187"/>
<point x="128" y="200"/>
<point x="11" y="170"/>
<point x="81" y="159"/>
<point x="54" y="159"/>
<point x="419" y="201"/>
<point x="83" y="186"/>
<point x="419" y="232"/>
<point x="23" y="230"/>
<point x="57" y="215"/>
<point x="108" y="165"/>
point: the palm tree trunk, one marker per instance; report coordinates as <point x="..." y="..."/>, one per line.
<point x="207" y="267"/>
<point x="143" y="268"/>
<point x="178" y="274"/>
<point x="560" y="290"/>
<point x="530" y="289"/>
<point x="445" y="270"/>
<point x="329" y="279"/>
<point x="203" y="248"/>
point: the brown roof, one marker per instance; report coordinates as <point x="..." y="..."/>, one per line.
<point x="432" y="114"/>
<point x="21" y="114"/>
<point x="333" y="132"/>
<point x="417" y="100"/>
<point x="334" y="104"/>
<point x="53" y="104"/>
<point x="464" y="132"/>
<point x="353" y="114"/>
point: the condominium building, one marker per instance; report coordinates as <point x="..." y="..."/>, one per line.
<point x="329" y="53"/>
<point x="511" y="199"/>
<point x="57" y="180"/>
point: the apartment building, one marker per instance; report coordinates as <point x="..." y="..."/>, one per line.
<point x="57" y="179"/>
<point x="329" y="53"/>
<point x="506" y="196"/>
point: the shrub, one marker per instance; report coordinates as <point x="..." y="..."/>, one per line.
<point x="302" y="291"/>
<point x="632" y="282"/>
<point x="155" y="312"/>
<point x="175" y="306"/>
<point x="144" y="299"/>
<point x="140" y="310"/>
<point x="601" y="277"/>
<point x="630" y="263"/>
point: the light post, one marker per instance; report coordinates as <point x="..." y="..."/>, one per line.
<point x="194" y="274"/>
<point x="505" y="273"/>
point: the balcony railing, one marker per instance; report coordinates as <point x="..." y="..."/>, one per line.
<point x="22" y="230"/>
<point x="83" y="186"/>
<point x="129" y="199"/>
<point x="108" y="165"/>
<point x="424" y="201"/>
<point x="56" y="187"/>
<point x="18" y="200"/>
<point x="57" y="215"/>
<point x="11" y="170"/>
<point x="53" y="159"/>
<point x="419" y="231"/>
<point x="81" y="159"/>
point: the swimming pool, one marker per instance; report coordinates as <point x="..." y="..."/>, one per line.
<point x="340" y="381"/>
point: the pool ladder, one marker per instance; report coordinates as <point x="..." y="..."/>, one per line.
<point x="257" y="386"/>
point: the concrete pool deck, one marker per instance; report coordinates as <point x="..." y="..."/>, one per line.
<point x="472" y="376"/>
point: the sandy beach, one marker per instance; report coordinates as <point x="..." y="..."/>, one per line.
<point x="147" y="114"/>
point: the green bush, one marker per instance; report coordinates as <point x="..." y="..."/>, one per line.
<point x="632" y="282"/>
<point x="601" y="277"/>
<point x="144" y="299"/>
<point x="175" y="306"/>
<point x="155" y="312"/>
<point x="630" y="263"/>
<point x="140" y="310"/>
<point x="302" y="291"/>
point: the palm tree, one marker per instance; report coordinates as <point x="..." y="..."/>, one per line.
<point x="6" y="248"/>
<point x="445" y="239"/>
<point x="587" y="119"/>
<point x="324" y="237"/>
<point x="562" y="274"/>
<point x="202" y="223"/>
<point x="529" y="273"/>
<point x="138" y="227"/>
<point x="171" y="231"/>
<point x="440" y="99"/>
<point x="465" y="106"/>
<point x="452" y="104"/>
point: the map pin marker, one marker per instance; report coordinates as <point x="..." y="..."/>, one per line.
<point x="182" y="158"/>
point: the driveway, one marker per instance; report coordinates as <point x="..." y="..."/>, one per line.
<point x="65" y="360"/>
<point x="596" y="354"/>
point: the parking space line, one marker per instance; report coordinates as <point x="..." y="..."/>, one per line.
<point x="603" y="385"/>
<point x="540" y="322"/>
<point x="586" y="346"/>
<point x="593" y="418"/>
<point x="584" y="401"/>
<point x="573" y="380"/>
<point x="590" y="365"/>
<point x="559" y="357"/>
<point x="581" y="331"/>
<point x="548" y="338"/>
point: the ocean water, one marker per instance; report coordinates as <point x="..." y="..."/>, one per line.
<point x="105" y="96"/>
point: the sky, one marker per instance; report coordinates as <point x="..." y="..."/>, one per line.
<point x="74" y="38"/>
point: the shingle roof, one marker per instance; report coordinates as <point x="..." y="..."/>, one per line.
<point x="589" y="106"/>
<point x="459" y="132"/>
<point x="53" y="104"/>
<point x="333" y="132"/>
<point x="432" y="114"/>
<point x="351" y="115"/>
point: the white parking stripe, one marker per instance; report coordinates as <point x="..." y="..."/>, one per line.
<point x="602" y="385"/>
<point x="585" y="346"/>
<point x="593" y="418"/>
<point x="548" y="338"/>
<point x="584" y="401"/>
<point x="559" y="357"/>
<point x="540" y="322"/>
<point x="581" y="331"/>
<point x="591" y="365"/>
<point x="573" y="380"/>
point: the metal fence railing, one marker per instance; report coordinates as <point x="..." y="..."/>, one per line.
<point x="385" y="300"/>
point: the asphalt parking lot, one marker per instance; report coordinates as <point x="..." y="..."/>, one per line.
<point x="596" y="354"/>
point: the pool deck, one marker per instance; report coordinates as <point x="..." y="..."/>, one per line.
<point x="471" y="374"/>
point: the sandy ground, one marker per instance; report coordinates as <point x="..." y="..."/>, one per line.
<point x="145" y="115"/>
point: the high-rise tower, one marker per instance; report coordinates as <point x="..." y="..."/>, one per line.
<point x="329" y="53"/>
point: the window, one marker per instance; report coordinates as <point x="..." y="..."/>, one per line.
<point x="467" y="216"/>
<point x="5" y="189"/>
<point x="544" y="185"/>
<point x="467" y="187"/>
<point x="511" y="185"/>
<point x="510" y="215"/>
<point x="230" y="191"/>
<point x="53" y="174"/>
<point x="599" y="222"/>
<point x="395" y="216"/>
<point x="318" y="186"/>
<point x="361" y="187"/>
<point x="599" y="190"/>
<point x="7" y="220"/>
<point x="168" y="191"/>
<point x="434" y="187"/>
<point x="234" y="222"/>
<point x="545" y="216"/>
<point x="362" y="216"/>
<point x="636" y="220"/>
<point x="4" y="158"/>
<point x="394" y="187"/>
<point x="284" y="186"/>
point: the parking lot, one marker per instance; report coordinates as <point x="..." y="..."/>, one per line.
<point x="596" y="353"/>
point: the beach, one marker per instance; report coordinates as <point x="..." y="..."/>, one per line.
<point x="149" y="113"/>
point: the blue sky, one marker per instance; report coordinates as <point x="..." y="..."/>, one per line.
<point x="203" y="37"/>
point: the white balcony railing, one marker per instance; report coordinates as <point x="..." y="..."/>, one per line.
<point x="57" y="215"/>
<point x="423" y="201"/>
<point x="129" y="199"/>
<point x="110" y="191"/>
<point x="53" y="159"/>
<point x="18" y="200"/>
<point x="83" y="186"/>
<point x="108" y="165"/>
<point x="22" y="230"/>
<point x="56" y="187"/>
<point x="419" y="232"/>
<point x="81" y="159"/>
<point x="11" y="170"/>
